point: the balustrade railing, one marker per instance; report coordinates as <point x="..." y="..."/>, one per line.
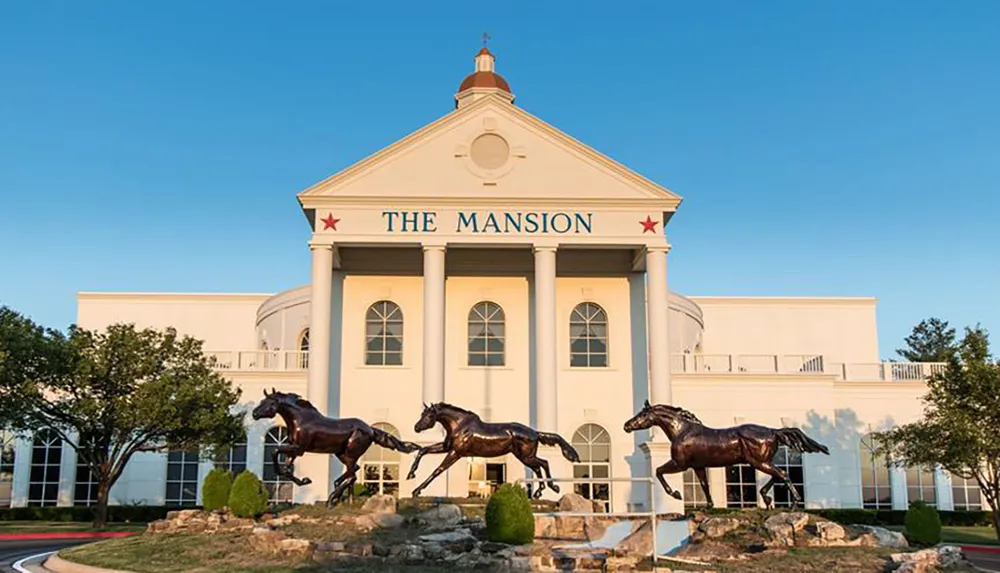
<point x="247" y="360"/>
<point x="295" y="360"/>
<point x="803" y="364"/>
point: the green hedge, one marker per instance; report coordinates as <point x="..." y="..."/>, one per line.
<point x="249" y="497"/>
<point x="215" y="489"/>
<point x="116" y="513"/>
<point x="508" y="516"/>
<point x="923" y="524"/>
<point x="885" y="517"/>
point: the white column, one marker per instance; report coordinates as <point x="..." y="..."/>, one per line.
<point x="319" y="326"/>
<point x="317" y="467"/>
<point x="545" y="337"/>
<point x="433" y="382"/>
<point x="657" y="313"/>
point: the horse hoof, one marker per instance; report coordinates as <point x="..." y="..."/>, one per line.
<point x="537" y="494"/>
<point x="305" y="481"/>
<point x="676" y="495"/>
<point x="554" y="487"/>
<point x="411" y="475"/>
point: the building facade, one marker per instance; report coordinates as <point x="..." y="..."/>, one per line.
<point x="491" y="261"/>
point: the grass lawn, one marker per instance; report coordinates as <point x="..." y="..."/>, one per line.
<point x="956" y="534"/>
<point x="63" y="526"/>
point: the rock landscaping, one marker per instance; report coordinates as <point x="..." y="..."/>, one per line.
<point x="384" y="534"/>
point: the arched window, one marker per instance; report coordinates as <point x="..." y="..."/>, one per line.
<point x="966" y="494"/>
<point x="790" y="462"/>
<point x="304" y="349"/>
<point x="694" y="496"/>
<point x="486" y="335"/>
<point x="588" y="336"/>
<point x="7" y="454"/>
<point x="380" y="466"/>
<point x="46" y="457"/>
<point x="278" y="488"/>
<point x="876" y="492"/>
<point x="182" y="478"/>
<point x="920" y="485"/>
<point x="234" y="459"/>
<point x="593" y="444"/>
<point x="741" y="486"/>
<point x="384" y="334"/>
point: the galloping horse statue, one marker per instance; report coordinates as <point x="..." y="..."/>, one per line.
<point x="467" y="435"/>
<point x="696" y="446"/>
<point x="311" y="431"/>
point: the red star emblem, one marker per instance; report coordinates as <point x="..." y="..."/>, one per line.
<point x="649" y="225"/>
<point x="330" y="222"/>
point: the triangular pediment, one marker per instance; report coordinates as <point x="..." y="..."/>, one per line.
<point x="489" y="150"/>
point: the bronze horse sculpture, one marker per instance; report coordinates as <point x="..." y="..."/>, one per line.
<point x="467" y="435"/>
<point x="696" y="446"/>
<point x="311" y="431"/>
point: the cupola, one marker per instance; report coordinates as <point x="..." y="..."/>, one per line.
<point x="484" y="80"/>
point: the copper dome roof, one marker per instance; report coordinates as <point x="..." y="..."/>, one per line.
<point x="485" y="79"/>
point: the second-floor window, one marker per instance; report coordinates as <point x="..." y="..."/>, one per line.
<point x="486" y="335"/>
<point x="384" y="334"/>
<point x="588" y="336"/>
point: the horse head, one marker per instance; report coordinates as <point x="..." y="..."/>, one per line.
<point x="427" y="418"/>
<point x="646" y="418"/>
<point x="662" y="415"/>
<point x="271" y="404"/>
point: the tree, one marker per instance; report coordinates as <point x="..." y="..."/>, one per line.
<point x="930" y="341"/>
<point x="960" y="429"/>
<point x="114" y="393"/>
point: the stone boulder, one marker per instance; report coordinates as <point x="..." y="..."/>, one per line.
<point x="783" y="527"/>
<point x="874" y="536"/>
<point x="576" y="503"/>
<point x="931" y="559"/>
<point x="197" y="521"/>
<point x="830" y="532"/>
<point x="457" y="541"/>
<point x="443" y="516"/>
<point x="380" y="504"/>
<point x="715" y="527"/>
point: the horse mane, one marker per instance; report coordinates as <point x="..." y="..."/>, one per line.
<point x="452" y="408"/>
<point x="678" y="411"/>
<point x="303" y="403"/>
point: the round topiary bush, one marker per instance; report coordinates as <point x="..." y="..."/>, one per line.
<point x="215" y="489"/>
<point x="508" y="516"/>
<point x="923" y="524"/>
<point x="248" y="497"/>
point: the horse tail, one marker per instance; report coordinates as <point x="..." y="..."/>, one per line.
<point x="556" y="440"/>
<point x="798" y="441"/>
<point x="387" y="440"/>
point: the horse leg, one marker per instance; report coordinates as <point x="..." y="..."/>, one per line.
<point x="439" y="448"/>
<point x="534" y="464"/>
<point x="292" y="451"/>
<point x="448" y="461"/>
<point x="356" y="446"/>
<point x="703" y="478"/>
<point x="670" y="467"/>
<point x="776" y="474"/>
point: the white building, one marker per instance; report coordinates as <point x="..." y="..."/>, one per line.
<point x="491" y="261"/>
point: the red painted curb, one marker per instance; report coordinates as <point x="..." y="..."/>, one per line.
<point x="66" y="535"/>
<point x="981" y="548"/>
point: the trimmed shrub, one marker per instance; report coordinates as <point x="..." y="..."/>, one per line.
<point x="923" y="524"/>
<point x="248" y="496"/>
<point x="508" y="516"/>
<point x="215" y="489"/>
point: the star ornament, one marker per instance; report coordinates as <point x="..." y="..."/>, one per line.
<point x="329" y="222"/>
<point x="649" y="225"/>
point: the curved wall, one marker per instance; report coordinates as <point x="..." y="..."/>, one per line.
<point x="283" y="318"/>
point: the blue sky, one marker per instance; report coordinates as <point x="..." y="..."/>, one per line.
<point x="822" y="148"/>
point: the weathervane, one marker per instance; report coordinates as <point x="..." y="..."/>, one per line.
<point x="486" y="38"/>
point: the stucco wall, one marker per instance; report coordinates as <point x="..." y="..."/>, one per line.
<point x="844" y="330"/>
<point x="223" y="321"/>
